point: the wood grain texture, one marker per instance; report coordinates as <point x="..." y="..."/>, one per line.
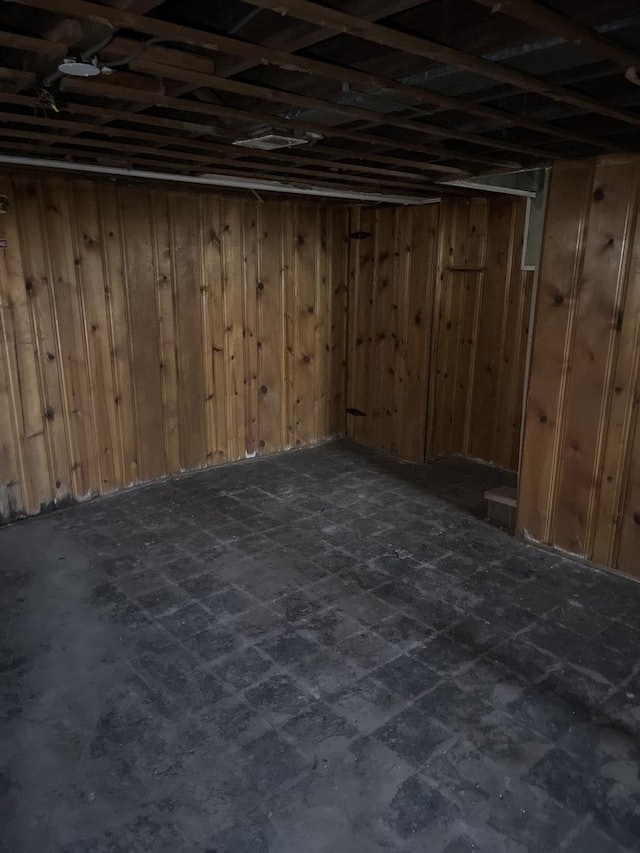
<point x="392" y="278"/>
<point x="479" y="335"/>
<point x="580" y="478"/>
<point x="438" y="316"/>
<point x="146" y="332"/>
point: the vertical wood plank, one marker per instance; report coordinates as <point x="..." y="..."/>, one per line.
<point x="215" y="355"/>
<point x="597" y="317"/>
<point x="271" y="328"/>
<point x="233" y="280"/>
<point x="306" y="271"/>
<point x="22" y="364"/>
<point x="354" y="359"/>
<point x="92" y="283"/>
<point x="401" y="367"/>
<point x="119" y="332"/>
<point x="165" y="292"/>
<point x="628" y="547"/>
<point x="381" y="377"/>
<point x="250" y="326"/>
<point x="338" y="329"/>
<point x="290" y="286"/>
<point x="614" y="524"/>
<point x="363" y="265"/>
<point x="436" y="327"/>
<point x="567" y="200"/>
<point x="323" y="306"/>
<point x="491" y="329"/>
<point x="421" y="282"/>
<point x="185" y="234"/>
<point x="143" y="325"/>
<point x="28" y="207"/>
<point x="472" y="285"/>
<point x="69" y="314"/>
<point x="451" y="311"/>
<point x="12" y="502"/>
<point x="508" y="451"/>
<point x="589" y="365"/>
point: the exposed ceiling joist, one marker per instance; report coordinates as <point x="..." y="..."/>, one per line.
<point x="380" y="103"/>
<point x="183" y="127"/>
<point x="341" y="22"/>
<point x="387" y="88"/>
<point x="252" y="116"/>
<point x="555" y="24"/>
<point x="371" y="10"/>
<point x="181" y="144"/>
<point x="29" y="44"/>
<point x="38" y="142"/>
<point x="181" y="59"/>
<point x="278" y="96"/>
<point x="284" y="40"/>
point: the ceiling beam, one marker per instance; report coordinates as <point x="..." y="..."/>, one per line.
<point x="182" y="126"/>
<point x="260" y="55"/>
<point x="203" y="161"/>
<point x="17" y="79"/>
<point x="28" y="44"/>
<point x="343" y="23"/>
<point x="285" y="158"/>
<point x="279" y="96"/>
<point x="91" y="88"/>
<point x="371" y="10"/>
<point x="305" y="36"/>
<point x="422" y="97"/>
<point x="556" y="24"/>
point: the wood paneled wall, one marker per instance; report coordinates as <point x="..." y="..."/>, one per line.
<point x="144" y="332"/>
<point x="439" y="308"/>
<point x="392" y="276"/>
<point x="580" y="478"/>
<point x="479" y="345"/>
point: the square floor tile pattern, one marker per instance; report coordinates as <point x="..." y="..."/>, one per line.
<point x="323" y="651"/>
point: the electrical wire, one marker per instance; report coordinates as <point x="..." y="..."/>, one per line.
<point x="136" y="53"/>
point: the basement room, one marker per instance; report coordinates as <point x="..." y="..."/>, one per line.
<point x="319" y="426"/>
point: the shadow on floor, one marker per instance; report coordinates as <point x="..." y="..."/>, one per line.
<point x="460" y="481"/>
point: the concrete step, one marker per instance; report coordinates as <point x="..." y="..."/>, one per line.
<point x="501" y="506"/>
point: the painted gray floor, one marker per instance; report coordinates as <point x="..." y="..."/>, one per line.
<point x="321" y="652"/>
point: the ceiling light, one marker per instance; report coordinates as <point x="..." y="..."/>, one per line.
<point x="78" y="68"/>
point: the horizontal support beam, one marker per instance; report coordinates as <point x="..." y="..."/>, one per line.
<point x="215" y="181"/>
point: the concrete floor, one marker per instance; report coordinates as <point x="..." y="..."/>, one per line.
<point x="321" y="652"/>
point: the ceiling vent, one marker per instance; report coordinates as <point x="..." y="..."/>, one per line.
<point x="271" y="141"/>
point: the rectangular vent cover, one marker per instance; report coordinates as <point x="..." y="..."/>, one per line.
<point x="270" y="141"/>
